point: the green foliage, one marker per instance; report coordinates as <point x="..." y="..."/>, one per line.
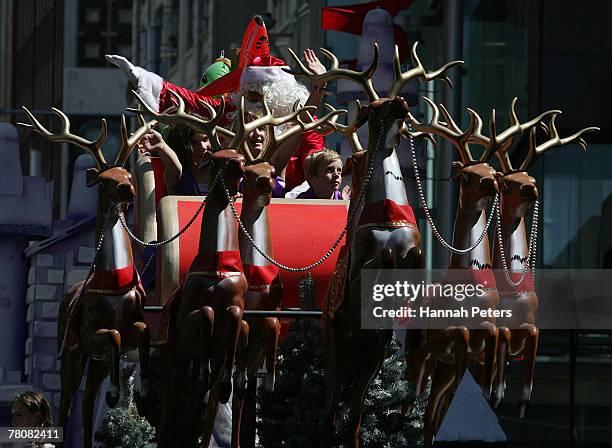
<point x="383" y="424"/>
<point x="122" y="426"/>
<point x="295" y="418"/>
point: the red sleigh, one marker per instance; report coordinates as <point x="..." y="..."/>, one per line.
<point x="302" y="231"/>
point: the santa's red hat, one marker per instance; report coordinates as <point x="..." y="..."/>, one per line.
<point x="264" y="70"/>
<point x="256" y="65"/>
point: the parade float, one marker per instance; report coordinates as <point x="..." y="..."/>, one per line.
<point x="227" y="269"/>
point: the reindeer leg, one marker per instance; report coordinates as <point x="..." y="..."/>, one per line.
<point x="417" y="355"/>
<point x="418" y="365"/>
<point x="231" y="327"/>
<point x="272" y="330"/>
<point x="114" y="341"/>
<point x="211" y="415"/>
<point x="96" y="372"/>
<point x="196" y="387"/>
<point x="491" y="334"/>
<point x="71" y="367"/>
<point x="242" y="358"/>
<point x="202" y="321"/>
<point x="500" y="378"/>
<point x="144" y="340"/>
<point x="369" y="367"/>
<point x="442" y="380"/>
<point x="531" y="349"/>
<point x="443" y="407"/>
<point x="240" y="383"/>
<point x="430" y="363"/>
<point x="459" y="337"/>
<point x="208" y="323"/>
<point x="71" y="372"/>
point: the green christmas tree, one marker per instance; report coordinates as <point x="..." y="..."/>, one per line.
<point x="294" y="419"/>
<point x="122" y="426"/>
<point x="383" y="425"/>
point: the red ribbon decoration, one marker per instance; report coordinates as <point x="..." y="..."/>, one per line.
<point x="260" y="276"/>
<point x="223" y="262"/>
<point x="114" y="280"/>
<point x="387" y="212"/>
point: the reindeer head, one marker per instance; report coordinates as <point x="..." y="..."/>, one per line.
<point x="478" y="184"/>
<point x="388" y="116"/>
<point x="259" y="183"/>
<point x="232" y="164"/>
<point x="518" y="193"/>
<point x="356" y="167"/>
<point x="518" y="189"/>
<point x="114" y="182"/>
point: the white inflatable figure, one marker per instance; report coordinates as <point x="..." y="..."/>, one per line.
<point x="377" y="28"/>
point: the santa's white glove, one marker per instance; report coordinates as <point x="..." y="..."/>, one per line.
<point x="148" y="84"/>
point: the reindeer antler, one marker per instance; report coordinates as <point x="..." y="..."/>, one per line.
<point x="451" y="131"/>
<point x="364" y="78"/>
<point x="418" y="71"/>
<point x="92" y="147"/>
<point x="554" y="141"/>
<point x="349" y="131"/>
<point x="322" y="125"/>
<point x="209" y="127"/>
<point x="500" y="144"/>
<point x="128" y="143"/>
<point x="245" y="129"/>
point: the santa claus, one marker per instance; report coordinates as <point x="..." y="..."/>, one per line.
<point x="258" y="75"/>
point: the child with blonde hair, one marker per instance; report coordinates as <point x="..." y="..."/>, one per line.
<point x="323" y="171"/>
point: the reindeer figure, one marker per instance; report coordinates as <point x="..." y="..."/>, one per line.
<point x="450" y="346"/>
<point x="477" y="187"/>
<point x="482" y="346"/>
<point x="259" y="336"/>
<point x="207" y="309"/>
<point x="265" y="288"/>
<point x="386" y="236"/>
<point x="518" y="194"/>
<point x="102" y="318"/>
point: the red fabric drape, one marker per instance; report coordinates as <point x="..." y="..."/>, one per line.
<point x="349" y="19"/>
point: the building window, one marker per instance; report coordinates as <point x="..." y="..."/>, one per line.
<point x="92" y="51"/>
<point x="105" y="27"/>
<point x="92" y="15"/>
<point x="125" y="16"/>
